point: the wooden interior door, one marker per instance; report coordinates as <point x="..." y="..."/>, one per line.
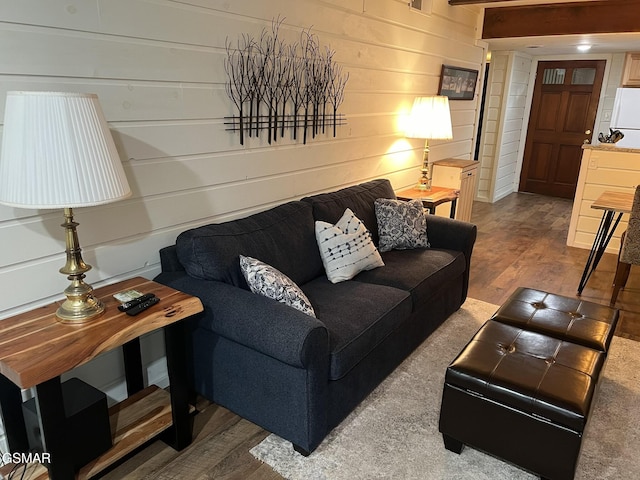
<point x="563" y="113"/>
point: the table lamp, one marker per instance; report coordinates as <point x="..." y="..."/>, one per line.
<point x="58" y="152"/>
<point x="430" y="119"/>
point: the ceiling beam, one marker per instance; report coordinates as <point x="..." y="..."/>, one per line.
<point x="469" y="2"/>
<point x="523" y="2"/>
<point x="604" y="16"/>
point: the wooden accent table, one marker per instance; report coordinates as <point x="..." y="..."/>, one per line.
<point x="461" y="175"/>
<point x="432" y="198"/>
<point x="36" y="349"/>
<point x="610" y="203"/>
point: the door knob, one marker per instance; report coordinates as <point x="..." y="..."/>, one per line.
<point x="588" y="132"/>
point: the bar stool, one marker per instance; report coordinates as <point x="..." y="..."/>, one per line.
<point x="629" y="249"/>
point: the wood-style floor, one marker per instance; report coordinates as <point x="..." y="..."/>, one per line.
<point x="521" y="242"/>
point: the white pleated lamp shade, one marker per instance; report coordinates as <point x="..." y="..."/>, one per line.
<point x="430" y="118"/>
<point x="58" y="152"/>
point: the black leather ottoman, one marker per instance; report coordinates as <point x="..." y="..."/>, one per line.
<point x="586" y="323"/>
<point x="522" y="396"/>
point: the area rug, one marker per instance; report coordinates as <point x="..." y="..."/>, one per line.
<point x="393" y="434"/>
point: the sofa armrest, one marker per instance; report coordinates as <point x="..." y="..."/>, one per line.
<point x="257" y="322"/>
<point x="444" y="232"/>
<point x="450" y="234"/>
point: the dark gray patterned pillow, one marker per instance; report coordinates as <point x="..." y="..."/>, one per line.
<point x="401" y="225"/>
<point x="265" y="280"/>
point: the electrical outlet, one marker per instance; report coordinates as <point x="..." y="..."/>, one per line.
<point x="607" y="116"/>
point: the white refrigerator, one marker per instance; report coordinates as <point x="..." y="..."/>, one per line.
<point x="626" y="116"/>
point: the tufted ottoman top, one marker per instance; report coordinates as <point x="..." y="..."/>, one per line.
<point x="565" y="318"/>
<point x="533" y="373"/>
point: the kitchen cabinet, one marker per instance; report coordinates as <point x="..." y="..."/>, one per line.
<point x="631" y="75"/>
<point x="459" y="174"/>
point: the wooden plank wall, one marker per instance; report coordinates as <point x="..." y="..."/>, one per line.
<point x="613" y="80"/>
<point x="157" y="67"/>
<point x="506" y="110"/>
<point x="515" y="121"/>
<point x="494" y="111"/>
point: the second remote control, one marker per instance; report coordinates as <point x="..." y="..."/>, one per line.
<point x="142" y="306"/>
<point x="136" y="301"/>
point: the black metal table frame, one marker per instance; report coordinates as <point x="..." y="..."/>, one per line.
<point x="600" y="242"/>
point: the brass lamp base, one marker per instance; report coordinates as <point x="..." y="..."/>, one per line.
<point x="80" y="306"/>
<point x="424" y="184"/>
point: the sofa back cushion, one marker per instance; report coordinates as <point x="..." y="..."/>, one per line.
<point x="329" y="207"/>
<point x="283" y="237"/>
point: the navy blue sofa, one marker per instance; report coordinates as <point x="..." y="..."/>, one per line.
<point x="290" y="373"/>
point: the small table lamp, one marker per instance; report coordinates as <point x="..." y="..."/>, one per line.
<point x="430" y="119"/>
<point x="58" y="152"/>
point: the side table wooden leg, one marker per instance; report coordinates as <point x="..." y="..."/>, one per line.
<point x="52" y="418"/>
<point x="176" y="352"/>
<point x="12" y="416"/>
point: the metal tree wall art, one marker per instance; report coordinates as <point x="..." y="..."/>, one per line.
<point x="276" y="86"/>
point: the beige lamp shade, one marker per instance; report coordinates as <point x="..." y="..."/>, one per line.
<point x="430" y="118"/>
<point x="58" y="152"/>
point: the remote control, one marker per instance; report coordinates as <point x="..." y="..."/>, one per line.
<point x="142" y="306"/>
<point x="136" y="301"/>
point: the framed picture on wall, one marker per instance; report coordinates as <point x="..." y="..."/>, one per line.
<point x="458" y="83"/>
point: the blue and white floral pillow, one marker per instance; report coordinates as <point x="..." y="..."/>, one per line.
<point x="401" y="225"/>
<point x="266" y="280"/>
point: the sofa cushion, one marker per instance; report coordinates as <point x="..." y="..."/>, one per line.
<point x="421" y="272"/>
<point x="359" y="316"/>
<point x="346" y="248"/>
<point x="270" y="282"/>
<point x="329" y="207"/>
<point x="401" y="225"/>
<point x="280" y="237"/>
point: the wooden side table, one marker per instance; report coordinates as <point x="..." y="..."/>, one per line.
<point x="432" y="198"/>
<point x="461" y="175"/>
<point x="36" y="349"/>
